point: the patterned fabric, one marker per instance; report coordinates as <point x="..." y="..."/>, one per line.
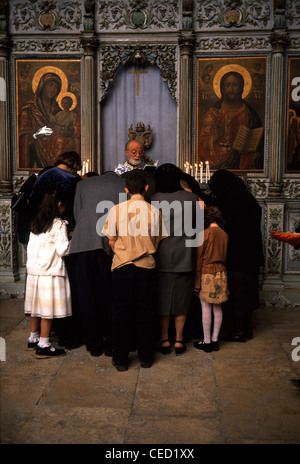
<point x="125" y="167"/>
<point x="47" y="297"/>
<point x="214" y="287"/>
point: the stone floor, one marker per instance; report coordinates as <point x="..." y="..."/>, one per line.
<point x="242" y="394"/>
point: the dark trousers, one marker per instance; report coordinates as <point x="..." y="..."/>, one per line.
<point x="94" y="298"/>
<point x="133" y="307"/>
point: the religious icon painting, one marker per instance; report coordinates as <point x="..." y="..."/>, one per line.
<point x="48" y="111"/>
<point x="293" y="117"/>
<point x="231" y="108"/>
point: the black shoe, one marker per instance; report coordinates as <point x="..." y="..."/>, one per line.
<point x="248" y="334"/>
<point x="215" y="346"/>
<point x="146" y="365"/>
<point x="95" y="353"/>
<point x="120" y="367"/>
<point x="108" y="352"/>
<point x="49" y="352"/>
<point x="32" y="345"/>
<point x="207" y="347"/>
<point x="181" y="349"/>
<point x="296" y="382"/>
<point x="164" y="349"/>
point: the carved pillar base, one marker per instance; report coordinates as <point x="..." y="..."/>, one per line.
<point x="273" y="248"/>
<point x="9" y="249"/>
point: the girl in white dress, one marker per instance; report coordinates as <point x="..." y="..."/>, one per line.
<point x="48" y="293"/>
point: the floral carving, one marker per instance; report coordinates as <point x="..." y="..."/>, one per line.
<point x="164" y="56"/>
<point x="136" y="14"/>
<point x="47" y="15"/>
<point x="248" y="12"/>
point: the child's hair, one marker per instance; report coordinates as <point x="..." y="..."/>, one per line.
<point x="48" y="211"/>
<point x="136" y="182"/>
<point x="213" y="214"/>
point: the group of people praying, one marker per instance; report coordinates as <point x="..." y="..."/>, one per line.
<point x="117" y="262"/>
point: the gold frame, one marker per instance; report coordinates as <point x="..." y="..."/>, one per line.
<point x="209" y="74"/>
<point x="35" y="154"/>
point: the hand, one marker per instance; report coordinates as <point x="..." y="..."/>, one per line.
<point x="42" y="132"/>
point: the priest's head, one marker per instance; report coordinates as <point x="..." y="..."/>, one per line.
<point x="134" y="152"/>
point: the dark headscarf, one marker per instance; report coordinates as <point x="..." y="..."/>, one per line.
<point x="167" y="178"/>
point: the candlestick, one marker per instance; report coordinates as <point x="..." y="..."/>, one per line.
<point x="206" y="171"/>
<point x="201" y="172"/>
<point x="196" y="170"/>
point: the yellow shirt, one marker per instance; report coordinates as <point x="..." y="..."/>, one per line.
<point x="136" y="227"/>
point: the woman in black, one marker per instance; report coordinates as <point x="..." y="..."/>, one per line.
<point x="242" y="215"/>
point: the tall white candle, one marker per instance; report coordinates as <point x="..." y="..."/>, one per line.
<point x="196" y="170"/>
<point x="201" y="172"/>
<point x="208" y="175"/>
<point x="206" y="171"/>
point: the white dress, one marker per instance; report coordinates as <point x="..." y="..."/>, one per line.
<point x="48" y="292"/>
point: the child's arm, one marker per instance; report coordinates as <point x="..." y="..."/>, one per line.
<point x="197" y="282"/>
<point x="62" y="244"/>
<point x="112" y="244"/>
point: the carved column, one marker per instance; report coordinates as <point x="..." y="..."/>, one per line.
<point x="5" y="158"/>
<point x="279" y="42"/>
<point x="186" y="44"/>
<point x="89" y="43"/>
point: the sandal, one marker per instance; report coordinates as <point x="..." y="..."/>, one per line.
<point x="180" y="350"/>
<point x="164" y="349"/>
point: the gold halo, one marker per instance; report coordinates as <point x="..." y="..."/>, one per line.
<point x="229" y="68"/>
<point x="67" y="94"/>
<point x="52" y="69"/>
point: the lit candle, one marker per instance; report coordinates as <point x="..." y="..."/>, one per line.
<point x="206" y="171"/>
<point x="196" y="170"/>
<point x="87" y="166"/>
<point x="201" y="172"/>
<point x="192" y="170"/>
<point x="208" y="175"/>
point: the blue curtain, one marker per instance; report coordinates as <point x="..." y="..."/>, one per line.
<point x="121" y="107"/>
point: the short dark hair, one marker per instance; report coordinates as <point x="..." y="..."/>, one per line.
<point x="71" y="159"/>
<point x="136" y="182"/>
<point x="213" y="214"/>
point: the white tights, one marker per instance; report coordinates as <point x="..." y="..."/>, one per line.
<point x="207" y="309"/>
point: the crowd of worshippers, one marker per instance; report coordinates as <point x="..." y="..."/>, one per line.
<point x="115" y="293"/>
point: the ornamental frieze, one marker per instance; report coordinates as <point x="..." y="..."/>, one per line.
<point x="47" y="15"/>
<point x="46" y="46"/>
<point x="234" y="43"/>
<point x="138" y="14"/>
<point x="293" y="13"/>
<point x="233" y="13"/>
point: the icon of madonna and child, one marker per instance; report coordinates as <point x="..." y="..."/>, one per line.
<point x="47" y="124"/>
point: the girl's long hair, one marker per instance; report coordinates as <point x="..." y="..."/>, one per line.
<point x="47" y="212"/>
